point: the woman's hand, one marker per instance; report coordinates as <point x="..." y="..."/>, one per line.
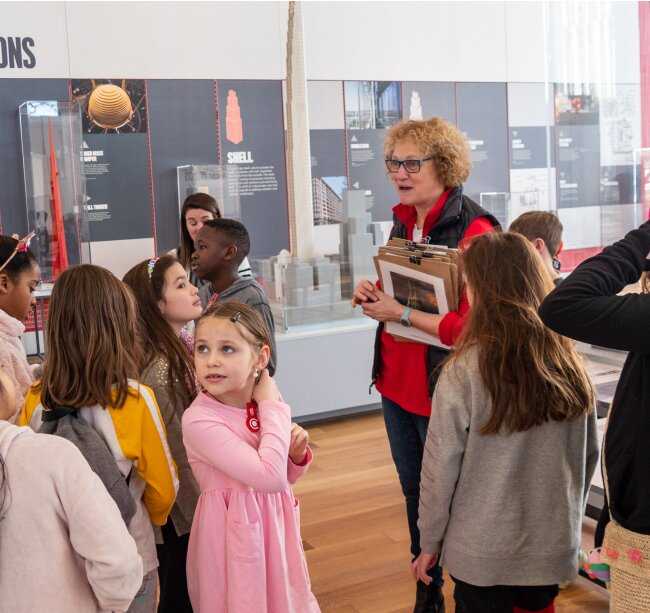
<point x="266" y="389"/>
<point x="298" y="445"/>
<point x="384" y="308"/>
<point x="421" y="565"/>
<point x="364" y="292"/>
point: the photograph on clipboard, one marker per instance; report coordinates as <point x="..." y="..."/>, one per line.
<point x="416" y="294"/>
<point x="419" y="289"/>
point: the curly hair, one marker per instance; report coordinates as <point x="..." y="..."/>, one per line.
<point x="438" y="139"/>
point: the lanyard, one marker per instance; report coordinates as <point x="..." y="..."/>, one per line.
<point x="252" y="419"/>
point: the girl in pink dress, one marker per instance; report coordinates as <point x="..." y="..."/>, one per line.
<point x="245" y="552"/>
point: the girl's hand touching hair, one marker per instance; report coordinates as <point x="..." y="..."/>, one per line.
<point x="299" y="444"/>
<point x="266" y="389"/>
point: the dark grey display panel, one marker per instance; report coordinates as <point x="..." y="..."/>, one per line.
<point x="531" y="147"/>
<point x="482" y="115"/>
<point x="251" y="123"/>
<point x="183" y="130"/>
<point x="422" y="100"/>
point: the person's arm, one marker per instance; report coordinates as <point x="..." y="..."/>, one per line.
<point x="263" y="468"/>
<point x="19" y="372"/>
<point x="32" y="401"/>
<point x="585" y="306"/>
<point x="593" y="452"/>
<point x="97" y="531"/>
<point x="144" y="440"/>
<point x="443" y="455"/>
<point x="295" y="471"/>
<point x="157" y="384"/>
<point x="451" y="325"/>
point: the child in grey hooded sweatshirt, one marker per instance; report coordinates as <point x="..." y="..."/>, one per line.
<point x="511" y="445"/>
<point x="221" y="246"/>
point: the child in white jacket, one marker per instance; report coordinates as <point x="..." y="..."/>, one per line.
<point x="63" y="544"/>
<point x="19" y="278"/>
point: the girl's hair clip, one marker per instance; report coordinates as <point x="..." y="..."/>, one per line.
<point x="21" y="247"/>
<point x="151" y="265"/>
<point x="23" y="243"/>
<point x="236" y="317"/>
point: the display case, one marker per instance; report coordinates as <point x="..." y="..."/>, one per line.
<point x="318" y="290"/>
<point x="305" y="292"/>
<point x="220" y="181"/>
<point x="55" y="188"/>
<point x="507" y="206"/>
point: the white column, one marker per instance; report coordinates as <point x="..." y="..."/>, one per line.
<point x="301" y="207"/>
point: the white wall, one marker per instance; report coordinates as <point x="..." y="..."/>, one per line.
<point x="150" y="40"/>
<point x="406" y="41"/>
<point x="45" y="22"/>
<point x="522" y="41"/>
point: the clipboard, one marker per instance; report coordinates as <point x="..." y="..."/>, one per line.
<point x="426" y="284"/>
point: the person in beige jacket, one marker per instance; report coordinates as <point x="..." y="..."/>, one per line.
<point x="63" y="544"/>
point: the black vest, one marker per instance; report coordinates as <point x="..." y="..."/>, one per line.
<point x="458" y="214"/>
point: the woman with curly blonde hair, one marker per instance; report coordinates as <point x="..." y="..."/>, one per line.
<point x="427" y="162"/>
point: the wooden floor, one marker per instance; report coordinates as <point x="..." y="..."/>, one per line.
<point x="355" y="532"/>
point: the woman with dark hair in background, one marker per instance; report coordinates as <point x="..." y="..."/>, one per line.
<point x="197" y="209"/>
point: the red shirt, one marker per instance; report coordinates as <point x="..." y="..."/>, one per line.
<point x="403" y="377"/>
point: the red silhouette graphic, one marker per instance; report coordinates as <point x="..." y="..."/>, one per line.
<point x="234" y="124"/>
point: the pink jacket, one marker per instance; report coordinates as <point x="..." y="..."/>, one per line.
<point x="63" y="544"/>
<point x="13" y="359"/>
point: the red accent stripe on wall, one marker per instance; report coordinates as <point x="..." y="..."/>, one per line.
<point x="571" y="258"/>
<point x="644" y="48"/>
<point x="217" y="119"/>
<point x="152" y="184"/>
<point x="644" y="53"/>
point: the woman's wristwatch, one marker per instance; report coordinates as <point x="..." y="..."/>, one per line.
<point x="405" y="319"/>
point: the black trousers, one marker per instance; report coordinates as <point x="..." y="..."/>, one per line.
<point x="503" y="598"/>
<point x="172" y="558"/>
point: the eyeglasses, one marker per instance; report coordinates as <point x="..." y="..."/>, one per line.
<point x="411" y="166"/>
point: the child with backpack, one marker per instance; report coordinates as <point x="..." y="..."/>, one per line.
<point x="63" y="544"/>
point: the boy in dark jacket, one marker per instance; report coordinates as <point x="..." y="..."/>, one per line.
<point x="221" y="246"/>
